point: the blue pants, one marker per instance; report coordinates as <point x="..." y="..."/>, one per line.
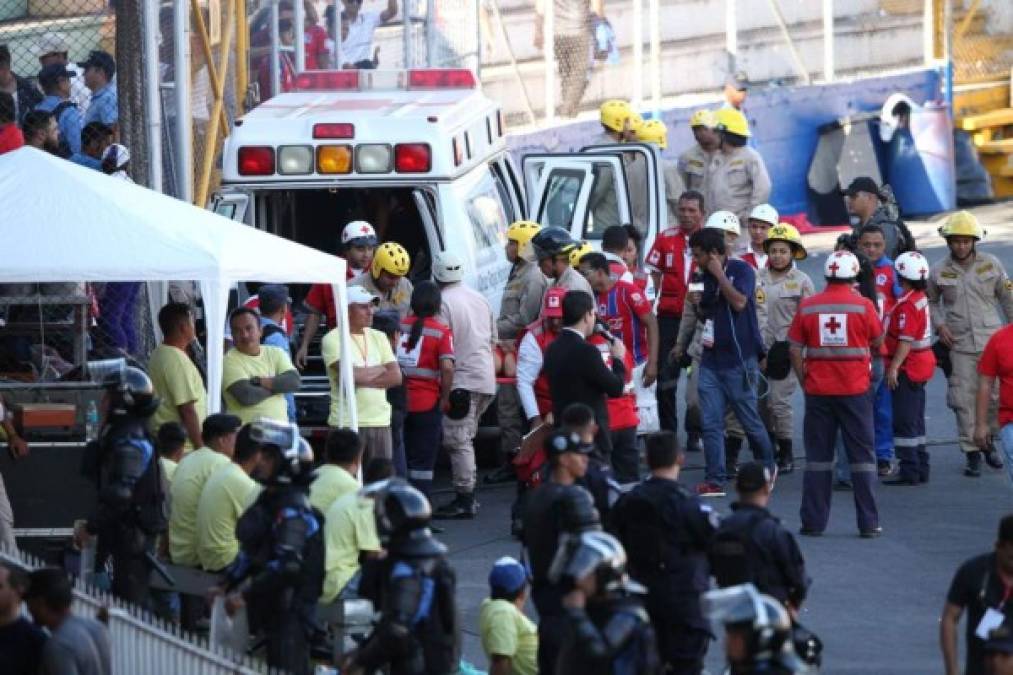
<point x="909" y="429"/>
<point x="824" y="416"/>
<point x="1006" y="441"/>
<point x="422" y="432"/>
<point x="118" y="306"/>
<point x="625" y="455"/>
<point x="733" y="388"/>
<point x="884" y="420"/>
<point x="875" y="378"/>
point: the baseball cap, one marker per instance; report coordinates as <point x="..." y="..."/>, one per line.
<point x="119" y="152"/>
<point x="100" y="59"/>
<point x="861" y="184"/>
<point x="738" y="80"/>
<point x="560" y="442"/>
<point x="357" y="295"/>
<point x="752" y="477"/>
<point x="552" y="305"/>
<point x="51" y="43"/>
<point x="272" y="297"/>
<point x="53" y="72"/>
<point x="507" y="575"/>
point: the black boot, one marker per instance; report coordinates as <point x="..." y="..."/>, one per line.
<point x="733" y="445"/>
<point x="463" y="507"/>
<point x="992" y="457"/>
<point x="973" y="468"/>
<point x="693" y="443"/>
<point x="785" y="456"/>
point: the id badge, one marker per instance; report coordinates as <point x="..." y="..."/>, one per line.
<point x="707" y="337"/>
<point x="989" y="622"/>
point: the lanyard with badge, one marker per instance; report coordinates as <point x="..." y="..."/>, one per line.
<point x="994" y="616"/>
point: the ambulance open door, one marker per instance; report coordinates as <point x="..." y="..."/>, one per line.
<point x="582" y="192"/>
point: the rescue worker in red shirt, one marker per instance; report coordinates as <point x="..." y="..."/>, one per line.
<point x="532" y="385"/>
<point x="830" y="340"/>
<point x="623" y="416"/>
<point x="614" y="242"/>
<point x="670" y="262"/>
<point x="761" y="219"/>
<point x="426" y="357"/>
<point x="910" y="365"/>
<point x="358" y="241"/>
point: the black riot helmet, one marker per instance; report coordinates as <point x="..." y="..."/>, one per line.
<point x="592" y="552"/>
<point x="130" y="390"/>
<point x="552" y="241"/>
<point x="402" y="518"/>
<point x="283" y="440"/>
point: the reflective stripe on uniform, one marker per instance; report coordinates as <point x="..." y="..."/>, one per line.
<point x="420" y="475"/>
<point x="863" y="467"/>
<point x="922" y="304"/>
<point x="921" y="344"/>
<point x="831" y="353"/>
<point x="432" y="332"/>
<point x="908" y="442"/>
<point x="424" y="373"/>
<point x="819" y="466"/>
<point x="833" y="309"/>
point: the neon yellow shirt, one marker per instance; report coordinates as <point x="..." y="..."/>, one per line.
<point x="188" y="482"/>
<point x="227" y="493"/>
<point x="349" y="527"/>
<point x="372" y="348"/>
<point x="177" y="382"/>
<point x="332" y="483"/>
<point x="506" y="631"/>
<point x="237" y="366"/>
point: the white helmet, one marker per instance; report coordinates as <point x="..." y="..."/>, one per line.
<point x="912" y="266"/>
<point x="447" y="267"/>
<point x="841" y="265"/>
<point x="724" y="220"/>
<point x="358" y="233"/>
<point x="765" y="213"/>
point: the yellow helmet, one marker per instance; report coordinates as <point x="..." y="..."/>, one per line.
<point x="578" y="252"/>
<point x="390" y="257"/>
<point x="653" y="131"/>
<point x="787" y="233"/>
<point x="703" y="118"/>
<point x="732" y="121"/>
<point x="962" y="224"/>
<point x="522" y="231"/>
<point x="615" y="115"/>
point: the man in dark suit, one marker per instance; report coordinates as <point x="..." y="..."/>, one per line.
<point x="576" y="371"/>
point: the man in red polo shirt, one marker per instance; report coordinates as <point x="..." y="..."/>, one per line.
<point x="996" y="362"/>
<point x="836" y="329"/>
<point x="670" y="262"/>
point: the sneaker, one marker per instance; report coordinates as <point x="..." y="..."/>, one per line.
<point x="694" y="443"/>
<point x="884" y="467"/>
<point x="973" y="467"/>
<point x="462" y="507"/>
<point x="992" y="458"/>
<point x="808" y="532"/>
<point x="710" y="490"/>
<point x="871" y="534"/>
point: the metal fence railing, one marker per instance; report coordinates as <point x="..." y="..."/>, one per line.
<point x="142" y="643"/>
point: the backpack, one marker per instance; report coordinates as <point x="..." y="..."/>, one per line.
<point x="269" y="330"/>
<point x="735" y="557"/>
<point x="639" y="656"/>
<point x="435" y="624"/>
<point x="64" y="148"/>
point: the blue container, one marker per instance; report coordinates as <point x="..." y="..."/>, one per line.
<point x="920" y="162"/>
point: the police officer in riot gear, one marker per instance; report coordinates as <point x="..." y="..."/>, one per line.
<point x="608" y="630"/>
<point x="131" y="496"/>
<point x="414" y="588"/>
<point x="279" y="571"/>
<point x="667" y="532"/>
<point x="758" y="632"/>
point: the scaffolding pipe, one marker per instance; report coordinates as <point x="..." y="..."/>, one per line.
<point x="151" y="96"/>
<point x="275" y="52"/>
<point x="211" y="144"/>
<point x="638" y="53"/>
<point x="775" y="7"/>
<point x="184" y="119"/>
<point x="549" y="46"/>
<point x="654" y="19"/>
<point x="828" y="41"/>
<point x="299" y="24"/>
<point x="406" y="33"/>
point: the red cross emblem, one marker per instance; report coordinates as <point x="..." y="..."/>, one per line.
<point x="832" y="325"/>
<point x="833" y="267"/>
<point x="364" y="229"/>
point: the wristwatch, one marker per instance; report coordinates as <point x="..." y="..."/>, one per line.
<point x="255" y="380"/>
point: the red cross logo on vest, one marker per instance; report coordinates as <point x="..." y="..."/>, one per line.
<point x="833" y="330"/>
<point x="833" y="325"/>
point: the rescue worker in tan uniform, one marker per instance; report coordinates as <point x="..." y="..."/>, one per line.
<point x="965" y="291"/>
<point x="655" y="131"/>
<point x="619" y="123"/>
<point x="737" y="177"/>
<point x="519" y="307"/>
<point x="694" y="163"/>
<point x="783" y="287"/>
<point x="387" y="278"/>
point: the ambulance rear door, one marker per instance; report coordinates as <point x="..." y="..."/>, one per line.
<point x="231" y="205"/>
<point x="584" y="193"/>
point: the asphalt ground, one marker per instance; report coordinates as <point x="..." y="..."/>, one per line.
<point x="874" y="603"/>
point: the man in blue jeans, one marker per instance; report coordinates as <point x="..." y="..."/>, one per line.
<point x="732" y="347"/>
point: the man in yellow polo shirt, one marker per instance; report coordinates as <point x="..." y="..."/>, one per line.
<point x="227" y="493"/>
<point x="178" y="384"/>
<point x="219" y="433"/>
<point x="509" y="638"/>
<point x="339" y="474"/>
<point x="350" y="533"/>
<point x="374" y="368"/>
<point x="171" y="441"/>
<point x="256" y="377"/>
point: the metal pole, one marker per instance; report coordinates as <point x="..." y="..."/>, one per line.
<point x="828" y="41"/>
<point x="731" y="35"/>
<point x="336" y="56"/>
<point x="549" y="43"/>
<point x="406" y="35"/>
<point x="275" y="51"/>
<point x="948" y="50"/>
<point x="478" y="43"/>
<point x="928" y="33"/>
<point x="775" y="7"/>
<point x="299" y="22"/>
<point x="654" y="18"/>
<point x="638" y="53"/>
<point x="151" y="96"/>
<point x="431" y="34"/>
<point x="184" y="119"/>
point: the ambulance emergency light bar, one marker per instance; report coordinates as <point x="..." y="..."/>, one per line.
<point x="365" y="158"/>
<point x="367" y="80"/>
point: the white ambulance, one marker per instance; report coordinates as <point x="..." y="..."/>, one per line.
<point x="421" y="154"/>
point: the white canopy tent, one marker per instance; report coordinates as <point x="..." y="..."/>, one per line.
<point x="65" y="223"/>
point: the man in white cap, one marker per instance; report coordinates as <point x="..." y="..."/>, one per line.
<point x="52" y="48"/>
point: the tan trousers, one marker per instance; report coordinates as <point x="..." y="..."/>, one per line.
<point x="961" y="392"/>
<point x="775" y="407"/>
<point x="376" y="442"/>
<point x="459" y="440"/>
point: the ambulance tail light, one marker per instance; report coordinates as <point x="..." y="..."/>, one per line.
<point x="256" y="160"/>
<point x="441" y="78"/>
<point x="334" y="159"/>
<point x="327" y="80"/>
<point x="334" y="130"/>
<point x="413" y="158"/>
<point x="295" y="160"/>
<point x="373" y="158"/>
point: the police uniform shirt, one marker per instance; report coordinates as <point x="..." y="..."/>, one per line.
<point x="965" y="300"/>
<point x="738" y="182"/>
<point x="781" y="298"/>
<point x="692" y="167"/>
<point x="977" y="587"/>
